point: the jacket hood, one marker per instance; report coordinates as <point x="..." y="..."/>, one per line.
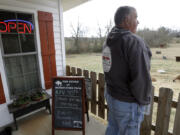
<point x="115" y="34"/>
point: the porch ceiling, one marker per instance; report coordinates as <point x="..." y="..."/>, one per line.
<point x="67" y="4"/>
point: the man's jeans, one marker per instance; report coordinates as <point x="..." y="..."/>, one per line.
<point x="123" y="118"/>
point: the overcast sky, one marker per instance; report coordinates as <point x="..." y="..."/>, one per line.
<point x="151" y="14"/>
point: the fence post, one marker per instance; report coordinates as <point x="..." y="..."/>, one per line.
<point x="101" y="101"/>
<point x="68" y="71"/>
<point x="93" y="99"/>
<point x="73" y="69"/>
<point x="176" y="130"/>
<point x="86" y="75"/>
<point x="79" y="72"/>
<point x="164" y="111"/>
<point x="146" y="124"/>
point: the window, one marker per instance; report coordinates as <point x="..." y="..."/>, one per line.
<point x="19" y="52"/>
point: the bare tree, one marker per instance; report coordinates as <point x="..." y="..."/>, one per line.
<point x="108" y="27"/>
<point x="102" y="34"/>
<point x="77" y="33"/>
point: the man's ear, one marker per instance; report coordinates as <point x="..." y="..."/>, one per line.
<point x="126" y="21"/>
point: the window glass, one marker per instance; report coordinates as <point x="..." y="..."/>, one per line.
<point x="10" y="43"/>
<point x="32" y="82"/>
<point x="16" y="85"/>
<point x="22" y="74"/>
<point x="13" y="66"/>
<point x="27" y="43"/>
<point x="28" y="22"/>
<point x="6" y="15"/>
<point x="6" y="23"/>
<point x="29" y="64"/>
<point x="30" y="69"/>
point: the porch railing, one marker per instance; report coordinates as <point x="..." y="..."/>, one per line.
<point x="164" y="101"/>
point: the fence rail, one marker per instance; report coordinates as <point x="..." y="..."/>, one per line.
<point x="164" y="101"/>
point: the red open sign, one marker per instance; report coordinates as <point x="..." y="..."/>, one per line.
<point x="19" y="27"/>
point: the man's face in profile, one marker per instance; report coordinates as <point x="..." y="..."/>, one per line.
<point x="132" y="21"/>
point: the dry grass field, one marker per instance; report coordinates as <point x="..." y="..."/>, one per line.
<point x="171" y="68"/>
<point x="169" y="65"/>
<point x="92" y="62"/>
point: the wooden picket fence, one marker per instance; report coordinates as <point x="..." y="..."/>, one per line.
<point x="164" y="101"/>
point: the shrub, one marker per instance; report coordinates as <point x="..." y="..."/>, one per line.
<point x="158" y="38"/>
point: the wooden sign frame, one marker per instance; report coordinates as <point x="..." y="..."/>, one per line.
<point x="83" y="104"/>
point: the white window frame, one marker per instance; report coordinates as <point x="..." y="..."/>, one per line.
<point x="38" y="50"/>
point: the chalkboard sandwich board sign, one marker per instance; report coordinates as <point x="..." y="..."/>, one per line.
<point x="68" y="104"/>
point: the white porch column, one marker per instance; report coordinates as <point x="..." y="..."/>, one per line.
<point x="62" y="43"/>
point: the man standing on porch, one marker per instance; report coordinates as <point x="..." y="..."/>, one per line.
<point x="126" y="65"/>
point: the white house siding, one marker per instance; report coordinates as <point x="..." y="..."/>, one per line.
<point x="32" y="6"/>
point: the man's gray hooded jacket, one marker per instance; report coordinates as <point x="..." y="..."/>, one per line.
<point x="126" y="64"/>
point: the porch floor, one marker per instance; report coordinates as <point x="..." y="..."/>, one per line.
<point x="40" y="123"/>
